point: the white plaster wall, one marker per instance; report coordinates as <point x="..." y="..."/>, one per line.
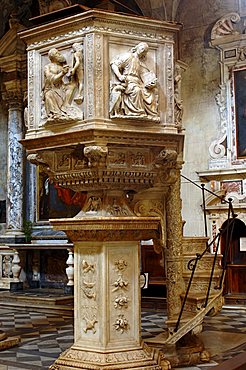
<point x="200" y="84"/>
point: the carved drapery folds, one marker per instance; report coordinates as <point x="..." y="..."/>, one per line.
<point x="119" y="79"/>
<point x="134" y="94"/>
<point x="63" y="86"/>
<point x="179" y="68"/>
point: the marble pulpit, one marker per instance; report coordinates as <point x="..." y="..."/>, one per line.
<point x="101" y="120"/>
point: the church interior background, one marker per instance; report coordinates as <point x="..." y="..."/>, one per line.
<point x="123" y="162"/>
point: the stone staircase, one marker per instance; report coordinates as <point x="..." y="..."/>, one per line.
<point x="194" y="310"/>
<point x="198" y="290"/>
<point x="40" y="300"/>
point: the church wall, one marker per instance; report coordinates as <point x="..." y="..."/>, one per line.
<point x="200" y="84"/>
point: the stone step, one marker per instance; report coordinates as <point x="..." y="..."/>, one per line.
<point x="200" y="282"/>
<point x="65" y="310"/>
<point x="38" y="301"/>
<point x="195" y="302"/>
<point x="204" y="264"/>
<point x="194" y="244"/>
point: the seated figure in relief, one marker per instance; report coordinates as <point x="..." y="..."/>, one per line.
<point x="134" y="95"/>
<point x="57" y="90"/>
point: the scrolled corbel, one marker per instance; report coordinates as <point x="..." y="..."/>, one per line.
<point x="96" y="155"/>
<point x="166" y="156"/>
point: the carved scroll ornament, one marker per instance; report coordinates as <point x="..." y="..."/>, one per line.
<point x="217" y="148"/>
<point x="224" y="26"/>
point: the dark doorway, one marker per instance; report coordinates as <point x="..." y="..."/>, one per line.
<point x="235" y="280"/>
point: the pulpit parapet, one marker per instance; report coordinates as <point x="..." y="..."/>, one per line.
<point x="101" y="121"/>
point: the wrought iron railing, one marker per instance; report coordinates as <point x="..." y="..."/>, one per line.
<point x="227" y="230"/>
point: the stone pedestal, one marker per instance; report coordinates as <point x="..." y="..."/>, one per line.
<point x="107" y="294"/>
<point x="8" y="342"/>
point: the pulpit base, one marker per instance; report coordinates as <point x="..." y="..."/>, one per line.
<point x="7" y="342"/>
<point x="142" y="358"/>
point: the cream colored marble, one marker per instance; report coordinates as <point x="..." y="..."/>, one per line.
<point x="127" y="164"/>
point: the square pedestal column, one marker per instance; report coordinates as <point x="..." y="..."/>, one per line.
<point x="107" y="304"/>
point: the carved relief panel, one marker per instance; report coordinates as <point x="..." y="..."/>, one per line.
<point x="110" y="276"/>
<point x="56" y="81"/>
<point x="97" y="69"/>
<point x="122" y="292"/>
<point x="88" y="294"/>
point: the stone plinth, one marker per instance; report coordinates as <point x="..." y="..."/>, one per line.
<point x="8" y="342"/>
<point x="107" y="294"/>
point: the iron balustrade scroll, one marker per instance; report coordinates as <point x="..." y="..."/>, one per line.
<point x="228" y="231"/>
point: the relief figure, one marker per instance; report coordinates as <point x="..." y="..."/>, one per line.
<point x="76" y="75"/>
<point x="134" y="95"/>
<point x="57" y="89"/>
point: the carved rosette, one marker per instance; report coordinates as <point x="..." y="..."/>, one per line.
<point x="121" y="290"/>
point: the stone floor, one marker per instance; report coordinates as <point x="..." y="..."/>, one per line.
<point x="45" y="336"/>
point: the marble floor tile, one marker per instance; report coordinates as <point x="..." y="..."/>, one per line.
<point x="44" y="336"/>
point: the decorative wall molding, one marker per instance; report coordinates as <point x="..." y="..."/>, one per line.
<point x="225" y="26"/>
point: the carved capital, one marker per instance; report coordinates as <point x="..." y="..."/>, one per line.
<point x="14" y="98"/>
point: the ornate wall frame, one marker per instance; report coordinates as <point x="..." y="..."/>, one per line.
<point x="228" y="37"/>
